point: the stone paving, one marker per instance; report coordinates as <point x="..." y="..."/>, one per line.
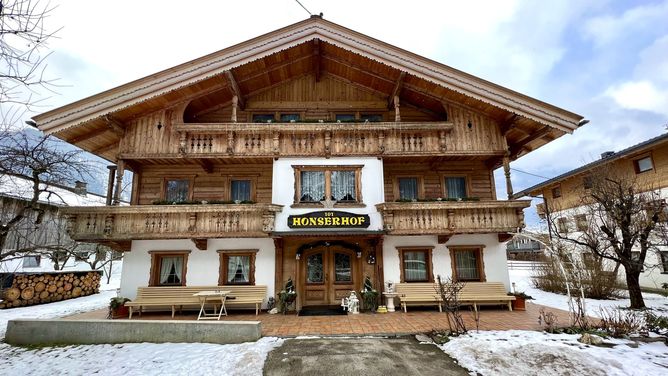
<point x="364" y="324"/>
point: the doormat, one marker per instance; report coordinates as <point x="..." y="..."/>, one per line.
<point x="322" y="311"/>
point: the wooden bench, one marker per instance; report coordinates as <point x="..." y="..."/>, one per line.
<point x="180" y="296"/>
<point x="473" y="293"/>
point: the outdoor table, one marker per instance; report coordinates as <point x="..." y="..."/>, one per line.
<point x="389" y="296"/>
<point x="216" y="295"/>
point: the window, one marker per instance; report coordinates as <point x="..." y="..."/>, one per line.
<point x="643" y="164"/>
<point x="177" y="190"/>
<point x="32" y="261"/>
<point x="237" y="267"/>
<point x="416" y="264"/>
<point x="562" y="225"/>
<point x="467" y="264"/>
<point x="408" y="188"/>
<point x="81" y="256"/>
<point x="455" y="187"/>
<point x="581" y="223"/>
<point x="289" y="118"/>
<point x="343" y="118"/>
<point x="240" y="190"/>
<point x="664" y="261"/>
<point x="556" y="192"/>
<point x="338" y="183"/>
<point x="371" y="117"/>
<point x="168" y="268"/>
<point x="263" y="118"/>
<point x="588" y="182"/>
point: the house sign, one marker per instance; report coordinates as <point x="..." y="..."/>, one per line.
<point x="329" y="219"/>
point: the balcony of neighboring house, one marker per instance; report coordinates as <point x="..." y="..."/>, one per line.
<point x="117" y="226"/>
<point x="324" y="139"/>
<point x="452" y="217"/>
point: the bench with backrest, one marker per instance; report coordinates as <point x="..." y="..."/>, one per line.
<point x="473" y="293"/>
<point x="183" y="296"/>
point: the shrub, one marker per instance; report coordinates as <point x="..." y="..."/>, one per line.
<point x="620" y="323"/>
<point x="656" y="323"/>
<point x="597" y="281"/>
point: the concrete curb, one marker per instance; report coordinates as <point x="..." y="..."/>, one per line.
<point x="85" y="332"/>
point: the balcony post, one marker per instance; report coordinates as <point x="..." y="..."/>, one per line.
<point x="110" y="184"/>
<point x="506" y="171"/>
<point x="120" y="170"/>
<point x="235" y="103"/>
<point x="397" y="113"/>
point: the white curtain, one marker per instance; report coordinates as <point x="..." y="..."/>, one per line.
<point x="415" y="266"/>
<point x="408" y="189"/>
<point x="312" y="186"/>
<point x="170" y="270"/>
<point x="343" y="186"/>
<point x="456" y="187"/>
<point x="467" y="265"/>
<point x="241" y="190"/>
<point x="238" y="269"/>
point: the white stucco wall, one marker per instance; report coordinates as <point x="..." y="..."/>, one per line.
<point x="283" y="192"/>
<point x="203" y="266"/>
<point x="494" y="255"/>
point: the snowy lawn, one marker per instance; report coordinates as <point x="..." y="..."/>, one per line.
<point x="522" y="279"/>
<point x="139" y="359"/>
<point x="517" y="352"/>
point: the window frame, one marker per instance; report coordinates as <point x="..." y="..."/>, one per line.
<point x="253" y="182"/>
<point x="636" y="163"/>
<point x="189" y="178"/>
<point x="556" y="191"/>
<point x="467" y="184"/>
<point x="579" y="219"/>
<point x="563" y="225"/>
<point x="429" y="250"/>
<point x="327" y="169"/>
<point x="262" y="113"/>
<point x="36" y="257"/>
<point x="587" y="182"/>
<point x="223" y="259"/>
<point x="396" y="188"/>
<point x="480" y="261"/>
<point x="156" y="258"/>
<point x="663" y="258"/>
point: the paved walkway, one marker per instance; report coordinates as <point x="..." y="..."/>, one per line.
<point x="397" y="323"/>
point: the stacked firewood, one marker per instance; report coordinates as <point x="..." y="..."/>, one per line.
<point x="29" y="289"/>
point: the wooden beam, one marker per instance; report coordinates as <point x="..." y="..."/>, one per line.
<point x="88" y="135"/>
<point x="442" y="239"/>
<point x="519" y="145"/>
<point x="206" y="164"/>
<point x="504" y="237"/>
<point x="115" y="125"/>
<point x="397" y="89"/>
<point x="235" y="89"/>
<point x="316" y="59"/>
<point x="105" y="148"/>
<point x="201" y="244"/>
<point x="508" y="124"/>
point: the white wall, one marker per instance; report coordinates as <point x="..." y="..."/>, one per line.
<point x="283" y="192"/>
<point x="494" y="255"/>
<point x="203" y="266"/>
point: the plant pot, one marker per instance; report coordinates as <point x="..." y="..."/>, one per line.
<point x="519" y="304"/>
<point x="121" y="312"/>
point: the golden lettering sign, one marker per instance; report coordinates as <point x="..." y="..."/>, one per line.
<point x="329" y="219"/>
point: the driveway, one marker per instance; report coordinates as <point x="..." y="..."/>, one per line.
<point x="359" y="356"/>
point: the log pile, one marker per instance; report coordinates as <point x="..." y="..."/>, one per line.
<point x="38" y="288"/>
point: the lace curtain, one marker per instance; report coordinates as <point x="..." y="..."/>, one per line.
<point x="343" y="186"/>
<point x="171" y="269"/>
<point x="312" y="186"/>
<point x="415" y="266"/>
<point x="467" y="265"/>
<point x="238" y="269"/>
<point x="456" y="187"/>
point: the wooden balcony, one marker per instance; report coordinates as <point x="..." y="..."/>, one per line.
<point x="450" y="218"/>
<point x="118" y="225"/>
<point x="227" y="140"/>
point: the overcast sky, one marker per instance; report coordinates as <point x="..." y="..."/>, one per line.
<point x="605" y="60"/>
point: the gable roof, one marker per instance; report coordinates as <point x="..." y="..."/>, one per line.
<point x="604" y="160"/>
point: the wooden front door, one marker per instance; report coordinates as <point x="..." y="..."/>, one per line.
<point x="329" y="274"/>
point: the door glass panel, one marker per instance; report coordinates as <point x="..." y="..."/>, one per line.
<point x="342" y="268"/>
<point x="314" y="269"/>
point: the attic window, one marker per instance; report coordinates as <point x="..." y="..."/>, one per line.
<point x="588" y="182"/>
<point x="556" y="192"/>
<point x="643" y="164"/>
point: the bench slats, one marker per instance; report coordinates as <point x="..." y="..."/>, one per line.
<point x="473" y="293"/>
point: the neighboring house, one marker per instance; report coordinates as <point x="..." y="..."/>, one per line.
<point x="314" y="153"/>
<point x="14" y="194"/>
<point x="646" y="162"/>
<point x="521" y="248"/>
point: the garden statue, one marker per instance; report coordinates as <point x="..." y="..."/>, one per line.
<point x="351" y="303"/>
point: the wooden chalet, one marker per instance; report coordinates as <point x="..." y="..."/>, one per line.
<point x="314" y="153"/>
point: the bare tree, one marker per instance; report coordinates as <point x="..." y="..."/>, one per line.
<point x="448" y="291"/>
<point x="618" y="220"/>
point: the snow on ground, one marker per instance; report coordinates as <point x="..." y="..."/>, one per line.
<point x="517" y="352"/>
<point x="139" y="359"/>
<point x="522" y="279"/>
<point x="65" y="307"/>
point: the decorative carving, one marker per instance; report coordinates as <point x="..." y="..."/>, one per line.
<point x="230" y="142"/>
<point x="192" y="222"/>
<point x="108" y="224"/>
<point x="328" y="141"/>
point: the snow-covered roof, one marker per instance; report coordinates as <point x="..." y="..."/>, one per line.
<point x="21" y="188"/>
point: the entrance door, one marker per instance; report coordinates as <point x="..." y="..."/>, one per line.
<point x="329" y="275"/>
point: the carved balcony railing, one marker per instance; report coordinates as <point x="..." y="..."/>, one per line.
<point x="239" y="140"/>
<point x="121" y="224"/>
<point x="449" y="218"/>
